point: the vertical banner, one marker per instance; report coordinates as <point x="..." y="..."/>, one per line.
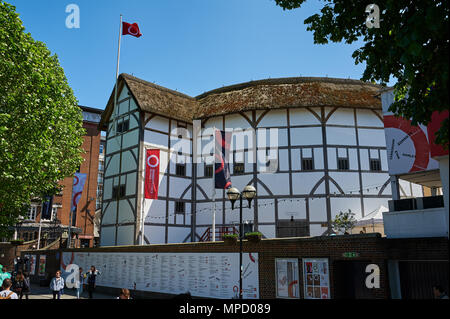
<point x="221" y="168"/>
<point x="316" y="278"/>
<point x="152" y="174"/>
<point x="78" y="184"/>
<point x="47" y="207"/>
<point x="287" y="278"/>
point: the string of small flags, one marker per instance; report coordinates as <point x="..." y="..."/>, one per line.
<point x="266" y="204"/>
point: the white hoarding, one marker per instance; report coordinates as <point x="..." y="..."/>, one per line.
<point x="214" y="275"/>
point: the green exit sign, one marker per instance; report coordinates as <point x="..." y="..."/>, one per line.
<point x="350" y="255"/>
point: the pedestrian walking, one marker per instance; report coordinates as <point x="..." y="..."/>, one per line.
<point x="27" y="290"/>
<point x="80" y="287"/>
<point x="124" y="294"/>
<point x="6" y="292"/>
<point x="439" y="292"/>
<point x="57" y="285"/>
<point x="20" y="286"/>
<point x="91" y="276"/>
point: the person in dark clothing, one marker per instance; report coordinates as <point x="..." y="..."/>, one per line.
<point x="91" y="276"/>
<point x="21" y="286"/>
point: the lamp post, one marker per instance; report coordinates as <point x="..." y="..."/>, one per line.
<point x="233" y="194"/>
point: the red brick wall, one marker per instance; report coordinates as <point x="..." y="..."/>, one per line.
<point x="84" y="220"/>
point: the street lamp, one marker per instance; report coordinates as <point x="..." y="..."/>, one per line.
<point x="233" y="194"/>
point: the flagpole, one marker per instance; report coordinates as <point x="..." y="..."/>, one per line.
<point x="118" y="60"/>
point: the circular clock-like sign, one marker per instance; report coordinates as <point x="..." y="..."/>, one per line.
<point x="407" y="146"/>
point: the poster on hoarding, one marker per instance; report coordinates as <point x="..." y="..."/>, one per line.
<point x="32" y="259"/>
<point x="287" y="278"/>
<point x="42" y="262"/>
<point x="316" y="278"/>
<point x="213" y="275"/>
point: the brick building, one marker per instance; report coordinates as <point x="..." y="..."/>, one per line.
<point x="57" y="226"/>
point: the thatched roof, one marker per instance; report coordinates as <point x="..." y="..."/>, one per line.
<point x="263" y="94"/>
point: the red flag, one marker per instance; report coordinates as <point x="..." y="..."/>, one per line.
<point x="152" y="174"/>
<point x="132" y="29"/>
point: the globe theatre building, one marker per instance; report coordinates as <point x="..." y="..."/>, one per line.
<point x="311" y="147"/>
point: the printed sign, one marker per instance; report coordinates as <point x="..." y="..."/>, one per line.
<point x="316" y="278"/>
<point x="287" y="278"/>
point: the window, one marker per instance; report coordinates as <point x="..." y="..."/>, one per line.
<point x="101" y="148"/>
<point x="118" y="192"/>
<point x="375" y="165"/>
<point x="343" y="163"/>
<point x="209" y="171"/>
<point x="32" y="212"/>
<point x="181" y="170"/>
<point x="238" y="168"/>
<point x="179" y="207"/>
<point x="123" y="126"/>
<point x="307" y="164"/>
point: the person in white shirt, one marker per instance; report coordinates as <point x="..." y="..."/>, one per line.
<point x="6" y="293"/>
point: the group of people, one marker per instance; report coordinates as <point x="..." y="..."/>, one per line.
<point x="19" y="286"/>
<point x="14" y="288"/>
<point x="57" y="283"/>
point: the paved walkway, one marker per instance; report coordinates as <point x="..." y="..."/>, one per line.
<point x="38" y="292"/>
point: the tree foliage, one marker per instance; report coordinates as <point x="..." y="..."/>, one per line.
<point x="411" y="45"/>
<point x="40" y="123"/>
<point x="343" y="222"/>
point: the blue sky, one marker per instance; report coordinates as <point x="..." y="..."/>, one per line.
<point x="191" y="46"/>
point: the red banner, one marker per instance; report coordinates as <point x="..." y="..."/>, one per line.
<point x="152" y="174"/>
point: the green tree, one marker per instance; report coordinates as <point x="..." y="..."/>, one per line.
<point x="343" y="222"/>
<point x="411" y="45"/>
<point x="40" y="123"/>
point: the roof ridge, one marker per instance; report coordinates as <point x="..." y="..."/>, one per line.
<point x="156" y="86"/>
<point x="284" y="80"/>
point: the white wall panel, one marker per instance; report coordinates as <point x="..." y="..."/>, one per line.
<point x="125" y="235"/>
<point x="274" y="118"/>
<point x="108" y="236"/>
<point x="295" y="208"/>
<point x="344" y="204"/>
<point x="159" y="123"/>
<point x="340" y="136"/>
<point x="177" y="234"/>
<point x="318" y="210"/>
<point x="365" y="164"/>
<point x="368" y="137"/>
<point x="155" y="234"/>
<point x="342" y="116"/>
<point x="316" y="230"/>
<point x="156" y="139"/>
<point x="110" y="214"/>
<point x="368" y="118"/>
<point x="302" y="117"/>
<point x="306" y="136"/>
<point x="303" y="183"/>
<point x="266" y="211"/>
<point x="277" y="183"/>
<point x="125" y="212"/>
<point x="267" y="230"/>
